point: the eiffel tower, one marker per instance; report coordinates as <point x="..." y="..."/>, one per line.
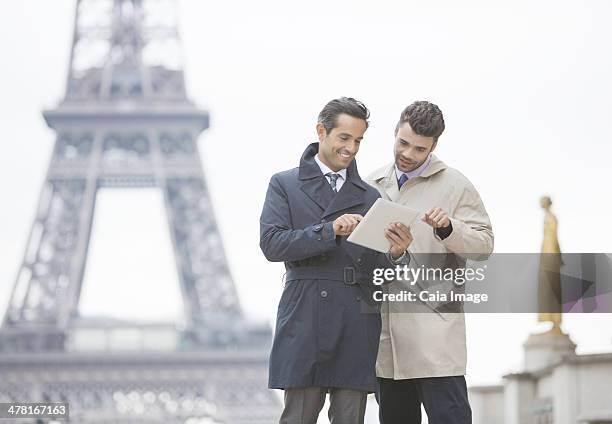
<point x="126" y="121"/>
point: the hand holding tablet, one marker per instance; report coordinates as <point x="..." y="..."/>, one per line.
<point x="370" y="232"/>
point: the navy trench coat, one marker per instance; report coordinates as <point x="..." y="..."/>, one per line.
<point x="327" y="326"/>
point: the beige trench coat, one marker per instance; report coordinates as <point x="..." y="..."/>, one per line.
<point x="431" y="343"/>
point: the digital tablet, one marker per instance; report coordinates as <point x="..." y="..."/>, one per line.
<point x="370" y="232"/>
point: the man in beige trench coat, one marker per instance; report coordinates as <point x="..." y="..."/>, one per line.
<point x="422" y="355"/>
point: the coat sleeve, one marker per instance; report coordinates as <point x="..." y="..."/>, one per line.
<point x="472" y="235"/>
<point x="279" y="241"/>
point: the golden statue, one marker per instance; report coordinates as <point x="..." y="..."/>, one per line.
<point x="549" y="277"/>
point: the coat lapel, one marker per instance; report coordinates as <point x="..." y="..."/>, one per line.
<point x="388" y="181"/>
<point x="312" y="182"/>
<point x="389" y="184"/>
<point x="319" y="191"/>
<point x="350" y="195"/>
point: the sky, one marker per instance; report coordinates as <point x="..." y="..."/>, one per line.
<point x="524" y="87"/>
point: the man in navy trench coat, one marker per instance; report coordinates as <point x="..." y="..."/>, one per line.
<point x="328" y="326"/>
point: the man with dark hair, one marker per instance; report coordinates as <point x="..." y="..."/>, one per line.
<point x="422" y="355"/>
<point x="327" y="328"/>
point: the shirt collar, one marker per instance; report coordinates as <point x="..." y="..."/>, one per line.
<point x="325" y="169"/>
<point x="415" y="172"/>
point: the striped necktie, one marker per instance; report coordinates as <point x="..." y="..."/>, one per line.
<point x="402" y="180"/>
<point x="333" y="178"/>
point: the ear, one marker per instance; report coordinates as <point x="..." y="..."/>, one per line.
<point x="321" y="132"/>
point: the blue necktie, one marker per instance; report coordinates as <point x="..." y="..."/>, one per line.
<point x="332" y="180"/>
<point x="402" y="180"/>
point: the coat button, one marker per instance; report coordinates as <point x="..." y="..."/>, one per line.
<point x="359" y="261"/>
<point x="358" y="298"/>
<point x="322" y="221"/>
<point x="324" y="294"/>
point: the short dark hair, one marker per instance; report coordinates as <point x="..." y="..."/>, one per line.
<point x="425" y="119"/>
<point x="336" y="107"/>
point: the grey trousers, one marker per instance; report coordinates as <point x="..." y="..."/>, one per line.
<point x="302" y="406"/>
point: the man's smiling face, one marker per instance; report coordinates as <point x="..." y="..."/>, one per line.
<point x="338" y="148"/>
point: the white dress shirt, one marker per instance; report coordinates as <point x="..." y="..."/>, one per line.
<point x="325" y="169"/>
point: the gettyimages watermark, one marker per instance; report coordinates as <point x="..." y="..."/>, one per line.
<point x="458" y="276"/>
<point x="424" y="274"/>
<point x="503" y="283"/>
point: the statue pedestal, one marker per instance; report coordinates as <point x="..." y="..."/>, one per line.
<point x="544" y="349"/>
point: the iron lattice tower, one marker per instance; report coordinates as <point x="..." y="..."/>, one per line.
<point x="126" y="121"/>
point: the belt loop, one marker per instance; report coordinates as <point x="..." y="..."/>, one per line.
<point x="349" y="275"/>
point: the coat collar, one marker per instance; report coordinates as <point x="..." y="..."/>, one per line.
<point x="315" y="185"/>
<point x="386" y="177"/>
<point x="388" y="170"/>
